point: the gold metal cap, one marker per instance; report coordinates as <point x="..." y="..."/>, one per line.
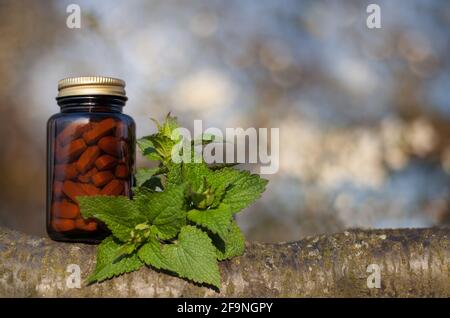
<point x="91" y="85"/>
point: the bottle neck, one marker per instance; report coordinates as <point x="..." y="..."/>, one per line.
<point x="92" y="103"/>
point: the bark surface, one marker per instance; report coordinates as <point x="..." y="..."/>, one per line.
<point x="412" y="262"/>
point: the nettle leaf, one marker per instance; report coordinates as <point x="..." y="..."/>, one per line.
<point x="164" y="210"/>
<point x="147" y="176"/>
<point x="159" y="146"/>
<point x="193" y="256"/>
<point x="219" y="192"/>
<point x="151" y="253"/>
<point x="147" y="148"/>
<point x="200" y="178"/>
<point x="118" y="212"/>
<point x="163" y="146"/>
<point x="151" y="229"/>
<point x="244" y="188"/>
<point x="173" y="176"/>
<point x="108" y="265"/>
<point x="236" y="188"/>
<point x="195" y="174"/>
<point x="216" y="220"/>
<point x="230" y="245"/>
<point x="169" y="125"/>
<point x="125" y="249"/>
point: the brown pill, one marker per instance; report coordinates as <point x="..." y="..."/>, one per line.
<point x="87" y="159"/>
<point x="121" y="171"/>
<point x="89" y="189"/>
<point x="105" y="162"/>
<point x="73" y="189"/>
<point x="100" y="130"/>
<point x="86" y="225"/>
<point x="86" y="178"/>
<point x="57" y="189"/>
<point x="72" y="131"/>
<point x="111" y="145"/>
<point x="65" y="209"/>
<point x="102" y="178"/>
<point x="63" y="225"/>
<point x="71" y="151"/>
<point x="114" y="187"/>
<point x="65" y="171"/>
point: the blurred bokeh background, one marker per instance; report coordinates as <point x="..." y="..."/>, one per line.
<point x="364" y="115"/>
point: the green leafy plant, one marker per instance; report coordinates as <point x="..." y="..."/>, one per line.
<point x="180" y="218"/>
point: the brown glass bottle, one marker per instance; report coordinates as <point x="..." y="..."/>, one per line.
<point x="90" y="151"/>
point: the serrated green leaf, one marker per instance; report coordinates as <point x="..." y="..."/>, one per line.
<point x="173" y="177"/>
<point x="144" y="143"/>
<point x="200" y="177"/>
<point x="107" y="267"/>
<point x="193" y="256"/>
<point x="118" y="212"/>
<point x="125" y="249"/>
<point x="151" y="253"/>
<point x="165" y="210"/>
<point x="232" y="244"/>
<point x="219" y="193"/>
<point x="244" y="188"/>
<point x="144" y="175"/>
<point x="216" y="220"/>
<point x="148" y="149"/>
<point x="169" y="125"/>
<point x="163" y="146"/>
<point x="159" y="146"/>
<point x="195" y="174"/>
<point x="236" y="188"/>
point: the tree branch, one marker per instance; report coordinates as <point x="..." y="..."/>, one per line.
<point x="413" y="262"/>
